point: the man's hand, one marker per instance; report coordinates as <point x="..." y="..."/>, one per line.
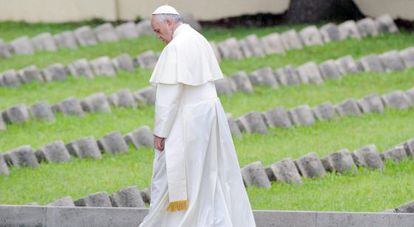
<point x="159" y="143"/>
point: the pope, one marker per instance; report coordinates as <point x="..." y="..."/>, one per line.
<point x="196" y="180"/>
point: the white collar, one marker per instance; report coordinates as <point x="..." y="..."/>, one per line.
<point x="180" y="29"/>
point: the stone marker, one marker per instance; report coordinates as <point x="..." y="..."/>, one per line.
<point x="225" y="86"/>
<point x="16" y="115"/>
<point x="253" y="46"/>
<point x="255" y="175"/>
<point x="146" y="195"/>
<point x="71" y="106"/>
<point x="301" y="115"/>
<point x="367" y="27"/>
<point x="55" y="72"/>
<point x="4" y="50"/>
<point x="23" y="156"/>
<point x="252" y="122"/>
<point x="409" y="147"/>
<point x="96" y="103"/>
<point x="85" y="36"/>
<point x="84" y="148"/>
<point x="347" y="65"/>
<point x="340" y="162"/>
<point x="330" y="32"/>
<point x="147" y="60"/>
<point x="324" y="111"/>
<point x="286" y="171"/>
<point x="311" y="36"/>
<point x="40" y="156"/>
<point x="42" y="111"/>
<point x="10" y="78"/>
<point x="80" y="68"/>
<point x="405" y="208"/>
<point x="4" y="169"/>
<point x="127" y="30"/>
<point x="310" y="166"/>
<point x="103" y="66"/>
<point x="349" y="29"/>
<point x="3" y="126"/>
<point x="242" y="82"/>
<point x="124" y="62"/>
<point x="410" y="95"/>
<point x="392" y="61"/>
<point x="144" y="28"/>
<point x="234" y="128"/>
<point x="372" y="63"/>
<point x="140" y="137"/>
<point x="113" y="143"/>
<point x="127" y="197"/>
<point x="309" y="73"/>
<point x="99" y="199"/>
<point x="291" y="40"/>
<point x="407" y="56"/>
<point x="22" y="45"/>
<point x="397" y="100"/>
<point x="122" y="98"/>
<point x="277" y="117"/>
<point x="368" y="157"/>
<point x="330" y="70"/>
<point x="287" y="76"/>
<point x="148" y="94"/>
<point x="230" y="49"/>
<point x="348" y="107"/>
<point x="56" y="152"/>
<point x="396" y="154"/>
<point x="263" y="76"/>
<point x="66" y="201"/>
<point x="371" y="104"/>
<point x="106" y="33"/>
<point x="66" y="39"/>
<point x="44" y="42"/>
<point x="269" y="173"/>
<point x="385" y="23"/>
<point x="272" y="44"/>
<point x="30" y="74"/>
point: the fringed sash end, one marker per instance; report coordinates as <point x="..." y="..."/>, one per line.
<point x="177" y="205"/>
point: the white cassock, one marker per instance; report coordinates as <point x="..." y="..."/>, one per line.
<point x="198" y="168"/>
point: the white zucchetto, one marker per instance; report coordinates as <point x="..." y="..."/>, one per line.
<point x="165" y="9"/>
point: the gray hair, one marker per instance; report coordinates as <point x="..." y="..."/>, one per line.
<point x="174" y="17"/>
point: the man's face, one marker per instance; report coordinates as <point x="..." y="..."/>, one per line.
<point x="163" y="28"/>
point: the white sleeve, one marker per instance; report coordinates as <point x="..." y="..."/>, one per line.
<point x="166" y="107"/>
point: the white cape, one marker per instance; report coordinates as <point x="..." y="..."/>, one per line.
<point x="216" y="193"/>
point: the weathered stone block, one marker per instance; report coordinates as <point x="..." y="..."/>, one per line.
<point x="286" y="171"/>
<point x="103" y="66"/>
<point x="291" y="40"/>
<point x="368" y="157"/>
<point x="277" y="117"/>
<point x="310" y="166"/>
<point x="79" y="68"/>
<point x="127" y="30"/>
<point x="272" y="44"/>
<point x="99" y="199"/>
<point x="255" y="175"/>
<point x="301" y="115"/>
<point x="253" y="122"/>
<point x="311" y="36"/>
<point x="55" y="72"/>
<point x="330" y="32"/>
<point x="106" y="33"/>
<point x="348" y="107"/>
<point x="340" y="161"/>
<point x="113" y="143"/>
<point x="85" y="36"/>
<point x="371" y="104"/>
<point x="372" y="63"/>
<point x="22" y="45"/>
<point x="124" y="62"/>
<point x="127" y="197"/>
<point x="140" y="137"/>
<point x="66" y="39"/>
<point x="309" y="73"/>
<point x="287" y="76"/>
<point x="242" y="82"/>
<point x="349" y="29"/>
<point x="330" y="70"/>
<point x="44" y="42"/>
<point x="84" y="148"/>
<point x="230" y="49"/>
<point x="42" y="111"/>
<point x="324" y="111"/>
<point x="396" y="100"/>
<point x="96" y="103"/>
<point x="263" y="76"/>
<point x="56" y="152"/>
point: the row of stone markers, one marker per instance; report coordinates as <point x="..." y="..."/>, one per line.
<point x="304" y="115"/>
<point x="82" y="36"/>
<point x="310" y="166"/>
<point x="101" y="66"/>
<point x="255" y="174"/>
<point x="88" y="147"/>
<point x="312" y="73"/>
<point x="276" y="43"/>
<point x="252" y="122"/>
<point x="286" y="76"/>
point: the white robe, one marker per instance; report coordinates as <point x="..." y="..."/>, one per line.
<point x="190" y="115"/>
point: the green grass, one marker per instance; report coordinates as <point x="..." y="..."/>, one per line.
<point x="81" y="177"/>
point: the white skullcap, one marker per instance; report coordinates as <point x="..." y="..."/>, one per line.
<point x="165" y="9"/>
